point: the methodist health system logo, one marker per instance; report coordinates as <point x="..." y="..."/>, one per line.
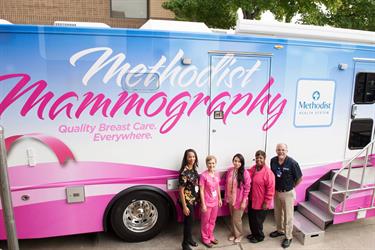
<point x="316" y="95"/>
<point x="314" y="105"/>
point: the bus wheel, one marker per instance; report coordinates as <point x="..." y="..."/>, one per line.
<point x="139" y="216"/>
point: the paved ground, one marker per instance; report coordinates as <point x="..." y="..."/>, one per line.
<point x="355" y="235"/>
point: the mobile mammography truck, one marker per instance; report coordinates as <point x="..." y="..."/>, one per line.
<point x="97" y="119"/>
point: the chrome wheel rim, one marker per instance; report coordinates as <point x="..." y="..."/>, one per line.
<point x="140" y="216"/>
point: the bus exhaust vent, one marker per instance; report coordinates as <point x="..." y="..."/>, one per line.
<point x="80" y="24"/>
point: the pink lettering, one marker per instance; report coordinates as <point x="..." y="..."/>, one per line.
<point x="72" y="105"/>
<point x="99" y="102"/>
<point x="54" y="111"/>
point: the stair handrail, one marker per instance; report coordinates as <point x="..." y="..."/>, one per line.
<point x="367" y="148"/>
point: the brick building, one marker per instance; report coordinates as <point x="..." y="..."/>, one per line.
<point x="116" y="13"/>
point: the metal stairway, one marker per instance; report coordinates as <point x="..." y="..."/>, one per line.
<point x="331" y="202"/>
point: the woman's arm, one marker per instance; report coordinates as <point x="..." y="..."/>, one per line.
<point x="203" y="202"/>
<point x="185" y="209"/>
<point x="219" y="194"/>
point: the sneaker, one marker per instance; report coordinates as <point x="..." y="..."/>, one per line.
<point x="231" y="238"/>
<point x="276" y="233"/>
<point x="215" y="241"/>
<point x="249" y="236"/>
<point x="286" y="243"/>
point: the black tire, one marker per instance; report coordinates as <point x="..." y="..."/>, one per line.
<point x="129" y="232"/>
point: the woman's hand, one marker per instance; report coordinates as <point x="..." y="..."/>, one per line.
<point x="204" y="208"/>
<point x="243" y="205"/>
<point x="220" y="203"/>
<point x="186" y="211"/>
<point x="264" y="206"/>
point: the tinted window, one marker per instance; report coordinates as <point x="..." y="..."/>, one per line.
<point x="364" y="88"/>
<point x="360" y="133"/>
<point x="129" y="8"/>
<point x="141" y="82"/>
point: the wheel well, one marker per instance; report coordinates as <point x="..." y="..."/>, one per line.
<point x="167" y="198"/>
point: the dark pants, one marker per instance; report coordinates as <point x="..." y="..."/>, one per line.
<point x="188" y="226"/>
<point x="256" y="220"/>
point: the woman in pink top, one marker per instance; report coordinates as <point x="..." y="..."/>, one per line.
<point x="261" y="195"/>
<point x="210" y="201"/>
<point x="237" y="189"/>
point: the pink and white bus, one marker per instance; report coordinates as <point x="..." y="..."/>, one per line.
<point x="97" y="119"/>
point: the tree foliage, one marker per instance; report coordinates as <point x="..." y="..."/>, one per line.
<point x="351" y="14"/>
<point x="354" y="14"/>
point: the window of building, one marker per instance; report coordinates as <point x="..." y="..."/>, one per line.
<point x="129" y="8"/>
<point x="360" y="133"/>
<point x="364" y="88"/>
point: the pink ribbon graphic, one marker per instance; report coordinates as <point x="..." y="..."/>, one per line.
<point x="61" y="150"/>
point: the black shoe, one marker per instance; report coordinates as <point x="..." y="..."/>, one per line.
<point x="256" y="240"/>
<point x="186" y="247"/>
<point x="249" y="236"/>
<point x="276" y="233"/>
<point x="208" y="245"/>
<point x="215" y="241"/>
<point x="193" y="243"/>
<point x="286" y="243"/>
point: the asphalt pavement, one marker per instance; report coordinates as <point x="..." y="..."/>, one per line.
<point x="354" y="235"/>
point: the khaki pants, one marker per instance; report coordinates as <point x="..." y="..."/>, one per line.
<point x="236" y="221"/>
<point x="284" y="211"/>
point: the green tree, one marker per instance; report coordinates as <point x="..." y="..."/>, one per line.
<point x="355" y="14"/>
<point x="214" y="13"/>
<point x="351" y="14"/>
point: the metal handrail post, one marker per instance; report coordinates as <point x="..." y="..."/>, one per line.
<point x="364" y="167"/>
<point x="6" y="199"/>
<point x="368" y="148"/>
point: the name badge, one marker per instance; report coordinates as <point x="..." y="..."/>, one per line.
<point x="214" y="193"/>
<point x="279" y="172"/>
<point x="196" y="189"/>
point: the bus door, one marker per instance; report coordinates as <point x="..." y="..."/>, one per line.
<point x="239" y="85"/>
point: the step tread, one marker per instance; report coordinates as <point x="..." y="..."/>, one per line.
<point x="322" y="215"/>
<point x="305" y="225"/>
<point x="336" y="187"/>
<point x="322" y="196"/>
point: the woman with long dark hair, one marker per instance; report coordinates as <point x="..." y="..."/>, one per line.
<point x="188" y="194"/>
<point x="237" y="189"/>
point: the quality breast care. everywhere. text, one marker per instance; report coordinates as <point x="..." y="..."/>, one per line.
<point x="111" y="132"/>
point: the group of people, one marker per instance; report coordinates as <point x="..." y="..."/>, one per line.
<point x="254" y="188"/>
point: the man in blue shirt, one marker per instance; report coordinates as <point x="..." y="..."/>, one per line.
<point x="287" y="176"/>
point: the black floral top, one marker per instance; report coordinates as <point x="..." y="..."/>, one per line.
<point x="189" y="179"/>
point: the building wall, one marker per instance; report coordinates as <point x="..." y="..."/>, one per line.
<point x="158" y="12"/>
<point x="48" y="11"/>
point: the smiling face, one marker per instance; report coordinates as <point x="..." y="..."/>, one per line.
<point x="211" y="164"/>
<point x="281" y="151"/>
<point x="190" y="159"/>
<point x="236" y="162"/>
<point x="260" y="160"/>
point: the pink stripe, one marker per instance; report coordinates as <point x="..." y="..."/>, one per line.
<point x="62" y="151"/>
<point x="78" y="173"/>
<point x="59" y="218"/>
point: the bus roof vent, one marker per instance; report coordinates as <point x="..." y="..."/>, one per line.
<point x="3" y="21"/>
<point x="169" y="25"/>
<point x="81" y="24"/>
